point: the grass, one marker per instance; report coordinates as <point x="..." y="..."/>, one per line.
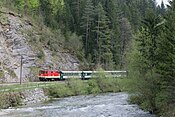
<point x="24" y="86"/>
<point x="3" y="19"/>
<point x="74" y="87"/>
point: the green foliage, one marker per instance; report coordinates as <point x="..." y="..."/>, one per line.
<point x="93" y="87"/>
<point x="103" y="50"/>
<point x="1" y="74"/>
<point x="3" y="19"/>
<point x="59" y="91"/>
<point x="74" y="44"/>
<point x="34" y="4"/>
<point x="10" y="100"/>
<point x="30" y="4"/>
<point x="152" y="64"/>
<point x="125" y="36"/>
<point x="77" y="86"/>
<point x="11" y="72"/>
<point x="57" y="5"/>
<point x="86" y="24"/>
<point x="40" y="54"/>
<point x="20" y="4"/>
<point x="99" y="84"/>
<point x="104" y="83"/>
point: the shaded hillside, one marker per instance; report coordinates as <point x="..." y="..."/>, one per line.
<point x="20" y="37"/>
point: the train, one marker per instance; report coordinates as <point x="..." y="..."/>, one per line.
<point x="55" y="75"/>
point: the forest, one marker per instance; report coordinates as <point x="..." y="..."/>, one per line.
<point x="133" y="35"/>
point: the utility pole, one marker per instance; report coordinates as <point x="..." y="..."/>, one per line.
<point x="21" y="71"/>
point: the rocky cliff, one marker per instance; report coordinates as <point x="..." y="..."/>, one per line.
<point x="16" y="40"/>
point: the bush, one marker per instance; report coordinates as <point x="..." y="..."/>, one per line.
<point x="1" y="74"/>
<point x="78" y="87"/>
<point x="101" y="83"/>
<point x="93" y="87"/>
<point x="40" y="54"/>
<point x="59" y="91"/>
<point x="10" y="100"/>
<point x="106" y="83"/>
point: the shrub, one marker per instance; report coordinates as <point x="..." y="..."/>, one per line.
<point x="106" y="83"/>
<point x="59" y="91"/>
<point x="101" y="83"/>
<point x="11" y="72"/>
<point x="93" y="87"/>
<point x="78" y="87"/>
<point x="10" y="100"/>
<point x="40" y="54"/>
<point x="1" y="74"/>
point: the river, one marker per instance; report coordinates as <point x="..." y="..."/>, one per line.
<point x="105" y="105"/>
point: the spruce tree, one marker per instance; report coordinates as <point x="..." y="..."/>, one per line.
<point x="77" y="6"/>
<point x="103" y="38"/>
<point x="166" y="66"/>
<point x="86" y="24"/>
<point x="148" y="41"/>
<point x="124" y="40"/>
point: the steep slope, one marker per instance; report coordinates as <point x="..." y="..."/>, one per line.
<point x="16" y="41"/>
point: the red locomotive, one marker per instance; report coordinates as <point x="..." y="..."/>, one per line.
<point x="49" y="75"/>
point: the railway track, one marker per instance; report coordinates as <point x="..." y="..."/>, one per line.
<point x="27" y="83"/>
<point x="15" y="87"/>
<point x="83" y="75"/>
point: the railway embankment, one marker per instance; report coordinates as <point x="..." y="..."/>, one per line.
<point x="13" y="95"/>
<point x="33" y="96"/>
<point x="25" y="97"/>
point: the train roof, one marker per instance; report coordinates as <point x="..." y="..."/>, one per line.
<point x="48" y="70"/>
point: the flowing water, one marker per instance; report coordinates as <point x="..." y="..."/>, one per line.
<point x="105" y="105"/>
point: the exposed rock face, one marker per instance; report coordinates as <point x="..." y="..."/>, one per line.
<point x="14" y="45"/>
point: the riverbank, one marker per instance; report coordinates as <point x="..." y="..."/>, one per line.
<point x="101" y="83"/>
<point x="74" y="87"/>
<point x="102" y="105"/>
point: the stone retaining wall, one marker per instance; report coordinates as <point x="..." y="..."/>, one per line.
<point x="33" y="96"/>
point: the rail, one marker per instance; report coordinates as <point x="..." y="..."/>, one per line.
<point x="26" y="86"/>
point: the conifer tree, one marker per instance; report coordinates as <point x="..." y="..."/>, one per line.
<point x="76" y="7"/>
<point x="86" y="24"/>
<point x="103" y="37"/>
<point x="46" y="12"/>
<point x="124" y="40"/>
<point x="166" y="66"/>
<point x="113" y="12"/>
<point x="148" y="41"/>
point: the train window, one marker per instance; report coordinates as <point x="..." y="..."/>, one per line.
<point x="41" y="72"/>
